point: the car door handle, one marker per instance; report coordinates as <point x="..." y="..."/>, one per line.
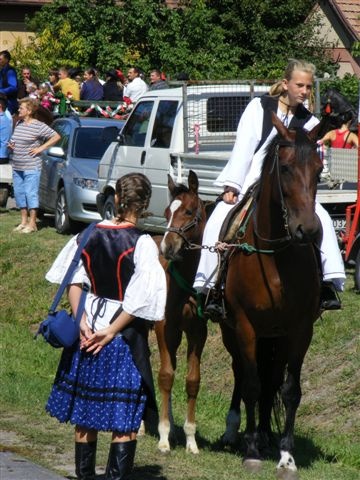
<point x="142" y="158"/>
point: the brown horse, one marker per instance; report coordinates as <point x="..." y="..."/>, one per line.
<point x="186" y="221"/>
<point x="272" y="293"/>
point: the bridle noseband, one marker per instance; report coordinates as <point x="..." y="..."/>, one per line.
<point x="191" y="224"/>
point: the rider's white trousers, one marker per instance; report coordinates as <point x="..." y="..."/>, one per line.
<point x="331" y="259"/>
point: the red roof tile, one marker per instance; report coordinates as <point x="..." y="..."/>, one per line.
<point x="349" y="11"/>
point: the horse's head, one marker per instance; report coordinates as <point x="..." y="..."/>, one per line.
<point x="293" y="167"/>
<point x="185" y="216"/>
<point x="337" y="110"/>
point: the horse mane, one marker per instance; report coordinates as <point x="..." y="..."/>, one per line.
<point x="303" y="145"/>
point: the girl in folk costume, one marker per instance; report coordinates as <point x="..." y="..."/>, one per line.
<point x="104" y="383"/>
<point x="254" y="134"/>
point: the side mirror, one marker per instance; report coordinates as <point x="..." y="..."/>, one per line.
<point x="121" y="139"/>
<point x="56" y="152"/>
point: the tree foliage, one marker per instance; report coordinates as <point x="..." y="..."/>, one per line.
<point x="208" y="39"/>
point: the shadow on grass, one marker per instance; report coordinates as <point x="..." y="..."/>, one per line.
<point x="305" y="452"/>
<point x="148" y="472"/>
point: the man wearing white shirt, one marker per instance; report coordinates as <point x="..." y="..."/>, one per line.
<point x="135" y="86"/>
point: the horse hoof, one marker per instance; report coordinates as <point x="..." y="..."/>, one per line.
<point x="229" y="440"/>
<point x="192" y="449"/>
<point x="284" y="474"/>
<point x="252" y="465"/>
<point x="164" y="448"/>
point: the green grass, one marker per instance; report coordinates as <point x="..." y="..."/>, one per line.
<point x="328" y="424"/>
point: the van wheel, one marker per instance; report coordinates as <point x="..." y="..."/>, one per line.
<point x="63" y="223"/>
<point x="4" y="195"/>
<point x="109" y="208"/>
<point x="357" y="272"/>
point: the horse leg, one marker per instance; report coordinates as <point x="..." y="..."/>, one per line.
<point x="168" y="343"/>
<point x="233" y="418"/>
<point x="291" y="396"/>
<point x="271" y="361"/>
<point x="196" y="340"/>
<point x="250" y="391"/>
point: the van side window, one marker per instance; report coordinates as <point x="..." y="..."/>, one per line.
<point x="164" y="123"/>
<point x="134" y="132"/>
<point x="223" y="113"/>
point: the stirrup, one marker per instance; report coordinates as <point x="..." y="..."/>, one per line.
<point x="329" y="298"/>
<point x="215" y="308"/>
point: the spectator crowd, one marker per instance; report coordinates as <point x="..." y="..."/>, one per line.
<point x="75" y="84"/>
<point x="27" y="108"/>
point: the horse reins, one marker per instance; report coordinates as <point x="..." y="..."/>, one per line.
<point x="287" y="238"/>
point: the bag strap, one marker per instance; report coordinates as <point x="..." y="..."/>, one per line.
<point x="346" y="139"/>
<point x="81" y="306"/>
<point x="71" y="269"/>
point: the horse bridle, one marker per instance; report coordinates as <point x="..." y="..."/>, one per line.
<point x="192" y="223"/>
<point x="285" y="214"/>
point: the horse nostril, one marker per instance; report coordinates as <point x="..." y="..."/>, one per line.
<point x="299" y="234"/>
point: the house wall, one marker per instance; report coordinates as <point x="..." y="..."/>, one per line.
<point x="12" y="23"/>
<point x="340" y="52"/>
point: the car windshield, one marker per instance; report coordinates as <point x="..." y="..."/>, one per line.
<point x="92" y="142"/>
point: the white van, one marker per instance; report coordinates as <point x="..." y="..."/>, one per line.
<point x="171" y="131"/>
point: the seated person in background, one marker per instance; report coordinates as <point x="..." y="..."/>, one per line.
<point x="53" y="78"/>
<point x="342" y="137"/>
<point x="32" y="90"/>
<point x="113" y="86"/>
<point x="91" y="89"/>
<point x="135" y="86"/>
<point x="156" y="80"/>
<point x="26" y="79"/>
<point x="67" y="85"/>
<point x="47" y="99"/>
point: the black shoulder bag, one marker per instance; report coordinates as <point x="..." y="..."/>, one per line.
<point x="60" y="328"/>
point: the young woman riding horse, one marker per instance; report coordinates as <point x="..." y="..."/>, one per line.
<point x="255" y="132"/>
<point x="272" y="294"/>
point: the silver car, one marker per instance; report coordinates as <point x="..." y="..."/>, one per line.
<point x="69" y="176"/>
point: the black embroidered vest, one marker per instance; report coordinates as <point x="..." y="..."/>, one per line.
<point x="270" y="104"/>
<point x="109" y="259"/>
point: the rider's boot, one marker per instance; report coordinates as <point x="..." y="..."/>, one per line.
<point x="214" y="307"/>
<point x="329" y="298"/>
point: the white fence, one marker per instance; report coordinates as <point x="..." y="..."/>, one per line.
<point x="342" y="164"/>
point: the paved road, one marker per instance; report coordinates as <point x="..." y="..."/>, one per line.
<point x="13" y="467"/>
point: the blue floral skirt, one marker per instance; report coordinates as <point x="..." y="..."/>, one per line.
<point x="100" y="392"/>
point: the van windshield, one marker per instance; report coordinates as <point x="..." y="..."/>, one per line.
<point x="135" y="129"/>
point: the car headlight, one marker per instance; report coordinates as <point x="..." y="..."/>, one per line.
<point x="86" y="183"/>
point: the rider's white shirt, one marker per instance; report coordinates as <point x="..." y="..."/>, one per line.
<point x="244" y="167"/>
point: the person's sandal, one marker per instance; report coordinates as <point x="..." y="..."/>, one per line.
<point x="19" y="228"/>
<point x="29" y="229"/>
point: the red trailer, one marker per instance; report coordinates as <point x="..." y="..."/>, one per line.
<point x="351" y="238"/>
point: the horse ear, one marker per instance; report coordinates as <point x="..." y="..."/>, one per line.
<point x="193" y="182"/>
<point x="280" y="127"/>
<point x="319" y="130"/>
<point x="171" y="185"/>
